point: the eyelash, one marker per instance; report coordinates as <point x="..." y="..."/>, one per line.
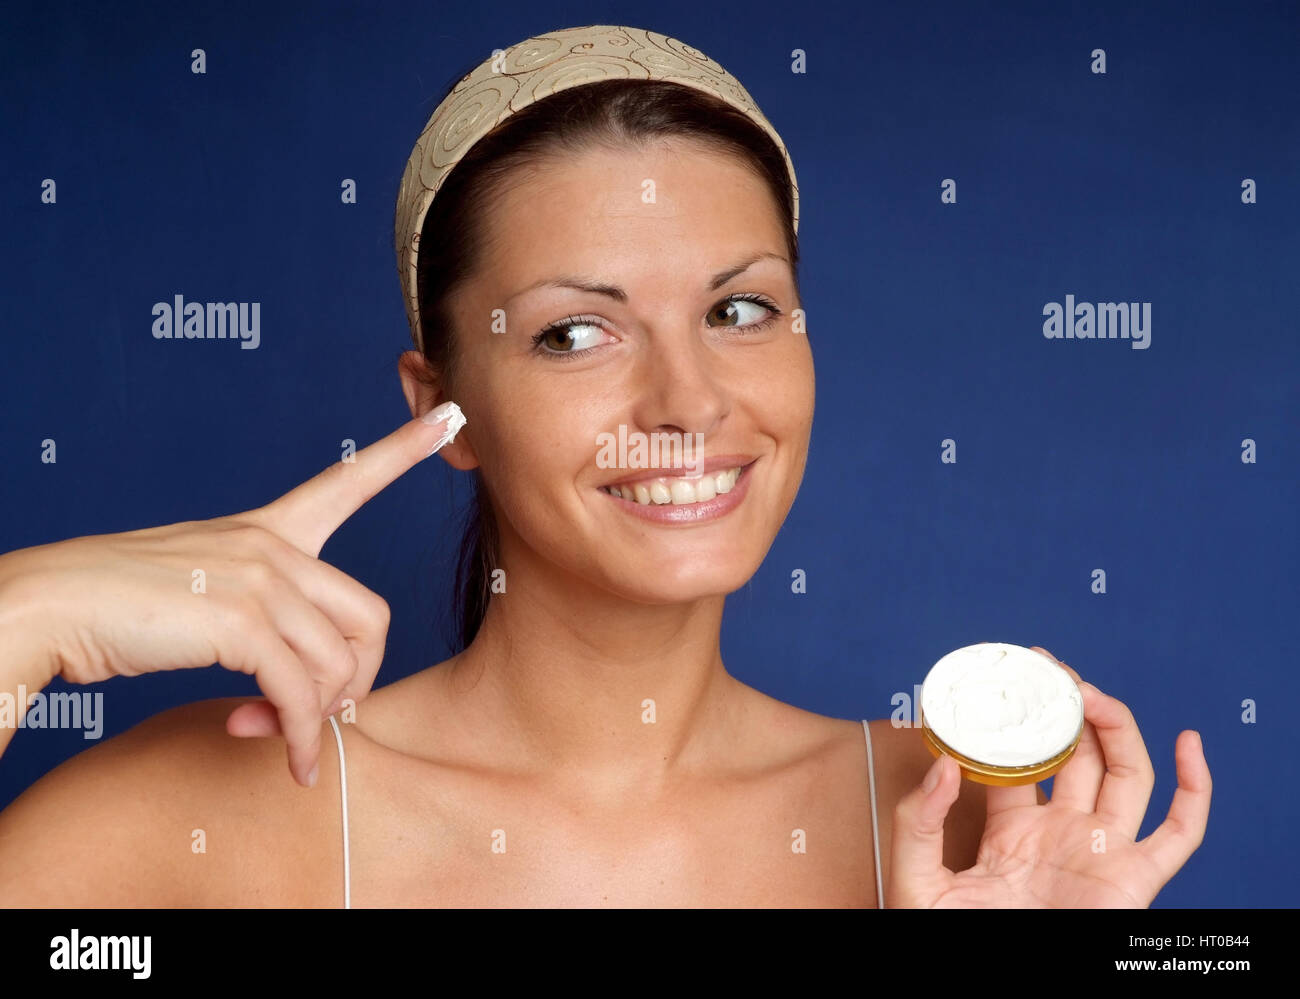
<point x="774" y="314"/>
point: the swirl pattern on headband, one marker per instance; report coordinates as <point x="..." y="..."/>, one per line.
<point x="525" y="73"/>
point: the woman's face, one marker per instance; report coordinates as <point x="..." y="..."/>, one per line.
<point x="674" y="354"/>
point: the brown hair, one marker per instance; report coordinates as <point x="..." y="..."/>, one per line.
<point x="611" y="113"/>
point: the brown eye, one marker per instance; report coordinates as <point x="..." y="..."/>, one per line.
<point x="727" y="313"/>
<point x="558" y="339"/>
<point x="572" y="336"/>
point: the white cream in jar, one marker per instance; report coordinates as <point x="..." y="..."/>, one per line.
<point x="1008" y="714"/>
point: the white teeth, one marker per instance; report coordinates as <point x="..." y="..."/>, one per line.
<point x="678" y="491"/>
<point x="682" y="491"/>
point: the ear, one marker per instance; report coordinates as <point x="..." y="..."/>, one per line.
<point x="422" y="385"/>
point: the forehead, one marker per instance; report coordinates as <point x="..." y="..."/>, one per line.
<point x="671" y="206"/>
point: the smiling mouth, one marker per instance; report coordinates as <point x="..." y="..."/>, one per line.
<point x="678" y="491"/>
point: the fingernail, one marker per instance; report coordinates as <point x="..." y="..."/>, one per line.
<point x="932" y="777"/>
<point x="311" y="777"/>
<point x="450" y="412"/>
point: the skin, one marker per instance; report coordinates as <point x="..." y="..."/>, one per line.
<point x="536" y="729"/>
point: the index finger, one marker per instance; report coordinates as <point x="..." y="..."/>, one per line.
<point x="1126" y="788"/>
<point x="1122" y="780"/>
<point x="307" y="515"/>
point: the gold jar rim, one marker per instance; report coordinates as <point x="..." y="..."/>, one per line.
<point x="987" y="773"/>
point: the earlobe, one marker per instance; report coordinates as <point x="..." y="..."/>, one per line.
<point x="459" y="454"/>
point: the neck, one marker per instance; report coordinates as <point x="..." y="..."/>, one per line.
<point x="572" y="679"/>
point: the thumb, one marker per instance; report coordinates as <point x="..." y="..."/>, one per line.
<point x="917" y="874"/>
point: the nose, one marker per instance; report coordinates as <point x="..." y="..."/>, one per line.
<point x="679" y="387"/>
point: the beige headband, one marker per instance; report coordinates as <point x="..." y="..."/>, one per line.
<point x="526" y="72"/>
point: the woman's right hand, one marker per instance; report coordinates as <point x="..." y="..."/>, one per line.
<point x="245" y="591"/>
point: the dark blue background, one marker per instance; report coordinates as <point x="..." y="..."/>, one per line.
<point x="925" y="322"/>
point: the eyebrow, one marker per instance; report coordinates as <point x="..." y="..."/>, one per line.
<point x="619" y="295"/>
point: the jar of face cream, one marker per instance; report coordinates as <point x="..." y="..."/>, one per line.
<point x="1008" y="715"/>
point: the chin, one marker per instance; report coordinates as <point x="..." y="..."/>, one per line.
<point x="694" y="581"/>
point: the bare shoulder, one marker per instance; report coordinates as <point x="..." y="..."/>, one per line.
<point x="176" y="812"/>
<point x="797" y="735"/>
<point x="837" y="751"/>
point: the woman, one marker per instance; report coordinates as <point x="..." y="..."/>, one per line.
<point x="613" y="260"/>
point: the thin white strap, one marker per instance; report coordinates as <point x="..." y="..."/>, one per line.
<point x="343" y="783"/>
<point x="875" y="829"/>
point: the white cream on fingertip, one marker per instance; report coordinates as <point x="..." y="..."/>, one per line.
<point x="450" y="412"/>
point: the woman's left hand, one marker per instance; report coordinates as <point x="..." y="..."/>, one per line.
<point x="1078" y="850"/>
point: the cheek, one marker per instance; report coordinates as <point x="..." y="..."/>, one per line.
<point x="802" y="381"/>
<point x="783" y="411"/>
<point x="782" y="393"/>
<point x="537" y="450"/>
<point x="802" y="384"/>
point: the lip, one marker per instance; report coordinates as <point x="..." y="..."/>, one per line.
<point x="691" y="513"/>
